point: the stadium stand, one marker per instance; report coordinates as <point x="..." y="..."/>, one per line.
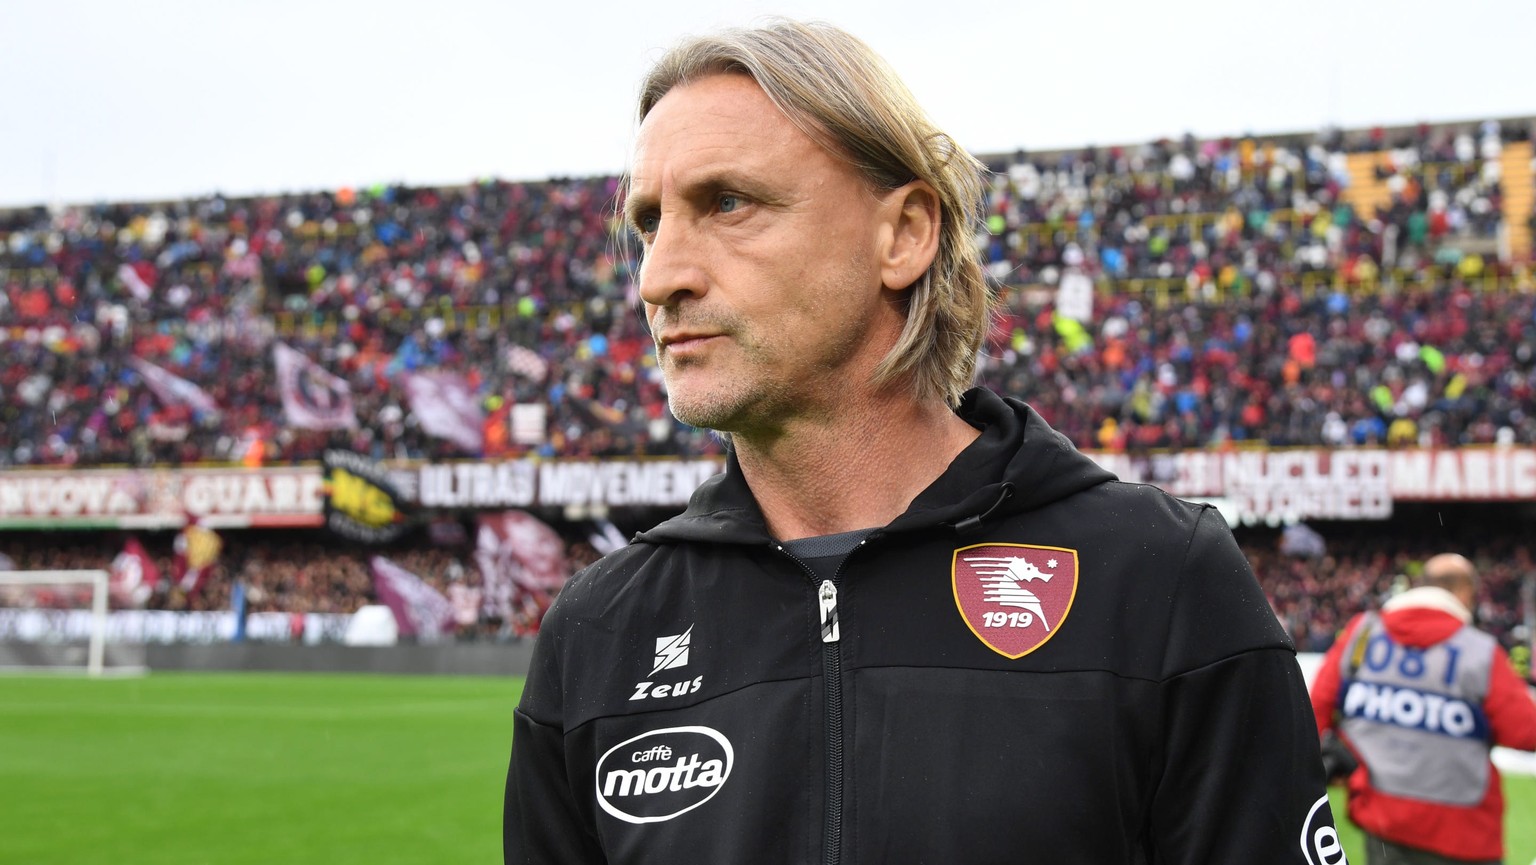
<point x="1339" y="290"/>
<point x="1205" y="251"/>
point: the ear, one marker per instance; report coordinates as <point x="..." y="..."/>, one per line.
<point x="911" y="232"/>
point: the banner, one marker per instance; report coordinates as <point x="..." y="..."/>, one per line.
<point x="1304" y="483"/>
<point x="447" y="408"/>
<point x="133" y="575"/>
<point x="312" y="398"/>
<point x="197" y="551"/>
<point x="1350" y="484"/>
<point x="288" y="496"/>
<point x="529" y="421"/>
<point x="420" y="610"/>
<point x="30" y="625"/>
<point x="519" y="557"/>
<point x="360" y="502"/>
<point x="172" y="389"/>
<point x="526" y="483"/>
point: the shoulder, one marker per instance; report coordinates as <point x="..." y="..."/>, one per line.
<point x="1216" y="608"/>
<point x="593" y="589"/>
<point x="1150" y="513"/>
<point x="1147" y="498"/>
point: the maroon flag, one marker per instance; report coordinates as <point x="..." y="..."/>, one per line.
<point x="420" y="610"/>
<point x="133" y="575"/>
<point x="172" y="389"/>
<point x="519" y="556"/>
<point x="447" y="408"/>
<point x="197" y="551"/>
<point x="312" y="398"/>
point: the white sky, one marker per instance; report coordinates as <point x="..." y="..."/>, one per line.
<point x="107" y="100"/>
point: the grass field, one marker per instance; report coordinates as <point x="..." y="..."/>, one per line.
<point x="180" y="769"/>
<point x="1519" y="822"/>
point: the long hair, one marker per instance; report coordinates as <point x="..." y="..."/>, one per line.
<point x="845" y="97"/>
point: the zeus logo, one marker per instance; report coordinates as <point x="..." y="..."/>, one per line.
<point x="672" y="652"/>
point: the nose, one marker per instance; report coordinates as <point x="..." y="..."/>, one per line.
<point x="672" y="268"/>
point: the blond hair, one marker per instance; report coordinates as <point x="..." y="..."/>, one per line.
<point x="845" y="97"/>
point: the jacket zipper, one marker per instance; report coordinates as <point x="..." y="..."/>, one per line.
<point x="832" y="676"/>
<point x="832" y="685"/>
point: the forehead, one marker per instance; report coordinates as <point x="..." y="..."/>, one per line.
<point x="720" y="121"/>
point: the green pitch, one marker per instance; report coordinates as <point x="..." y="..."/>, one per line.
<point x="179" y="769"/>
<point x="1519" y="822"/>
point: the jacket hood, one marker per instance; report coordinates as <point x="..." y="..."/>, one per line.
<point x="1017" y="464"/>
<point x="1424" y="616"/>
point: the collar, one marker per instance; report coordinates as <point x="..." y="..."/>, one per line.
<point x="1431" y="597"/>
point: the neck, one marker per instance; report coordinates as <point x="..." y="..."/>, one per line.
<point x="857" y="470"/>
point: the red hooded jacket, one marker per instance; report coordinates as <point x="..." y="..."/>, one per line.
<point x="1420" y="618"/>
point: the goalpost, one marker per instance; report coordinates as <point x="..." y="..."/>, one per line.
<point x="95" y="662"/>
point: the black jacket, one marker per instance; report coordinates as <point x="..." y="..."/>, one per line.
<point x="1034" y="663"/>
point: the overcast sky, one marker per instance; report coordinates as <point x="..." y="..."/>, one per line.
<point x="158" y="99"/>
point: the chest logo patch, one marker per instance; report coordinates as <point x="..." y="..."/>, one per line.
<point x="1014" y="597"/>
<point x="661" y="774"/>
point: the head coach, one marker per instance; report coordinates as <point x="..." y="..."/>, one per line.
<point x="909" y="623"/>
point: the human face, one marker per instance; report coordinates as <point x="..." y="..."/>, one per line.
<point x="761" y="274"/>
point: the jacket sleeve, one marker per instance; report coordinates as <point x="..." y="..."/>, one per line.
<point x="544" y="820"/>
<point x="1240" y="774"/>
<point x="1242" y="778"/>
<point x="1510" y="708"/>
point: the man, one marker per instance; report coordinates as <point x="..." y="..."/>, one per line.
<point x="1421" y="696"/>
<point x="909" y="623"/>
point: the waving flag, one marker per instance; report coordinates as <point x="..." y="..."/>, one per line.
<point x="172" y="389"/>
<point x="134" y="282"/>
<point x="447" y="408"/>
<point x="527" y="363"/>
<point x="420" y="610"/>
<point x="133" y="575"/>
<point x="197" y="550"/>
<point x="522" y="563"/>
<point x="312" y="397"/>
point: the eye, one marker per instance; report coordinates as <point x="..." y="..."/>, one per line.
<point x="729" y="202"/>
<point x="646" y="224"/>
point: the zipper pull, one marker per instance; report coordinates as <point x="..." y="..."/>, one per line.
<point x="828" y="596"/>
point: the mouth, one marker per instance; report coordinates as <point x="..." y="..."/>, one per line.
<point x="684" y="342"/>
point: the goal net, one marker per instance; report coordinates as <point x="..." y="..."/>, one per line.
<point x="53" y="621"/>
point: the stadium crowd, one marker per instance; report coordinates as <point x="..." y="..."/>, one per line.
<point x="1248" y="212"/>
<point x="1238" y="298"/>
<point x="1313" y="589"/>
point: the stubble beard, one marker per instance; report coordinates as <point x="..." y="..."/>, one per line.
<point x="752" y="395"/>
<point x="714" y="392"/>
<point x="757" y="387"/>
<point x="734" y="400"/>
